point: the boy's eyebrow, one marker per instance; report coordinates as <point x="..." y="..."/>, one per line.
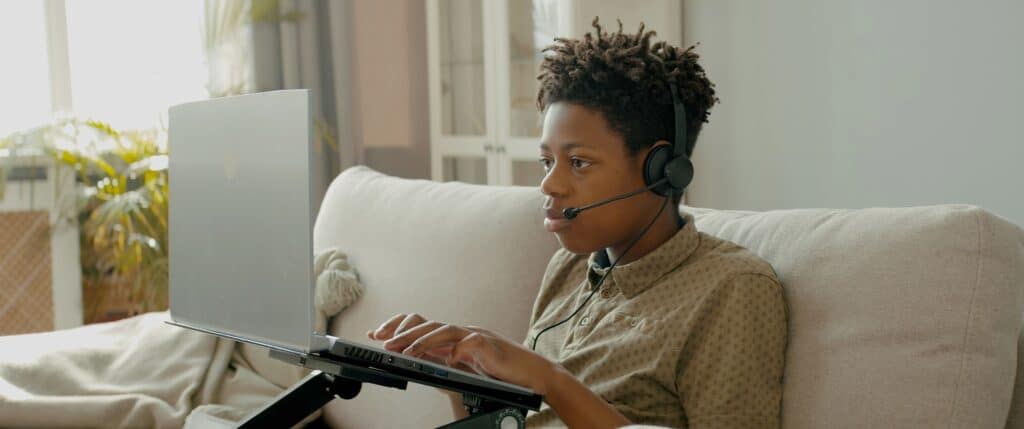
<point x="565" y="147"/>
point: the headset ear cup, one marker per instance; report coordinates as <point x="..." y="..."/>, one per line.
<point x="679" y="172"/>
<point x="654" y="169"/>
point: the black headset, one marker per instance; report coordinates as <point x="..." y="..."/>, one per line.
<point x="670" y="161"/>
<point x="667" y="168"/>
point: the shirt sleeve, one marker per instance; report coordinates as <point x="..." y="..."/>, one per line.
<point x="730" y="371"/>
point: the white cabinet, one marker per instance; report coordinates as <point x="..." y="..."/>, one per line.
<point x="483" y="57"/>
<point x="483" y="61"/>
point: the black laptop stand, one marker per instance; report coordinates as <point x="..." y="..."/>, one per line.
<point x="333" y="377"/>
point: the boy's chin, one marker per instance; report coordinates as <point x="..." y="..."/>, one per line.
<point x="575" y="246"/>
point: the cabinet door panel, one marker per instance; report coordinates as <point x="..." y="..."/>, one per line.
<point x="462" y="168"/>
<point x="531" y="26"/>
<point x="461" y="59"/>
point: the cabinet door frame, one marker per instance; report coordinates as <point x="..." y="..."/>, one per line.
<point x="514" y="148"/>
<point x="442" y="145"/>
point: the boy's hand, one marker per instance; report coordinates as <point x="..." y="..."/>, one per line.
<point x="400" y="324"/>
<point x="466" y="347"/>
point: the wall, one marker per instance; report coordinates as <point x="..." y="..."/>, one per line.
<point x="662" y="16"/>
<point x="858" y="104"/>
<point x="390" y="90"/>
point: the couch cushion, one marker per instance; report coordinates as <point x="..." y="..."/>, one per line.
<point x="460" y="253"/>
<point x="900" y="317"/>
<point x="1016" y="418"/>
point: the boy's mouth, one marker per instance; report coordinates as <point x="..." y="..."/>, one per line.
<point x="554" y="221"/>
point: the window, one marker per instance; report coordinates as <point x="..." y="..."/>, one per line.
<point x="25" y="74"/>
<point x="122" y="61"/>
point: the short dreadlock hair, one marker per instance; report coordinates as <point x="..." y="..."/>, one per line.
<point x="625" y="77"/>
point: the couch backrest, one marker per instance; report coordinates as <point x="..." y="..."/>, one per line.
<point x="905" y="317"/>
<point x="459" y="253"/>
<point x="900" y="317"/>
<point x="1016" y="418"/>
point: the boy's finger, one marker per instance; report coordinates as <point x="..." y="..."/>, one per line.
<point x="441" y="336"/>
<point x="401" y="341"/>
<point x="387" y="328"/>
<point x="411" y="321"/>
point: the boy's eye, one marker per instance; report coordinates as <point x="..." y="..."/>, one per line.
<point x="575" y="162"/>
<point x="579" y="163"/>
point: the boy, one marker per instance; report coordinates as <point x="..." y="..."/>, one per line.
<point x="690" y="331"/>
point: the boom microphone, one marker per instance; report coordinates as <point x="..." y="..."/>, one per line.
<point x="571" y="212"/>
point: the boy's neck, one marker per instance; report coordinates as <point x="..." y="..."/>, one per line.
<point x="667" y="225"/>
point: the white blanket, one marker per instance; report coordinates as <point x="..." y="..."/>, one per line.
<point x="141" y="372"/>
<point x="138" y="372"/>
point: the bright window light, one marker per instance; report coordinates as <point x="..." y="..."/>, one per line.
<point x="132" y="59"/>
<point x="24" y="75"/>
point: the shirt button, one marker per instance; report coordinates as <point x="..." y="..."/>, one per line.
<point x="633" y="323"/>
<point x="585" y="321"/>
<point x="607" y="293"/>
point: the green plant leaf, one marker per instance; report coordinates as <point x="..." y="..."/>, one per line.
<point x="121" y="201"/>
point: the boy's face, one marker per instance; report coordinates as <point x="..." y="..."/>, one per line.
<point x="586" y="161"/>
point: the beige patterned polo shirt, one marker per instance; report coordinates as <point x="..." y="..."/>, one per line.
<point x="693" y="334"/>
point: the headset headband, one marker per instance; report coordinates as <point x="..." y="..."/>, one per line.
<point x="680" y="118"/>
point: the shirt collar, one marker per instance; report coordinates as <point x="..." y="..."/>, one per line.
<point x="635" y="277"/>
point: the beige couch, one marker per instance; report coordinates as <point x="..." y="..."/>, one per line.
<point x="900" y="317"/>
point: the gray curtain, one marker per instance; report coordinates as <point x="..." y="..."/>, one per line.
<point x="305" y="44"/>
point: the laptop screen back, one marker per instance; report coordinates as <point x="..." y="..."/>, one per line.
<point x="241" y="217"/>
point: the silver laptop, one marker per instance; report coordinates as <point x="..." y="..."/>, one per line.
<point x="241" y="236"/>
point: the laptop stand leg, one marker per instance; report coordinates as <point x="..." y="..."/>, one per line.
<point x="505" y="418"/>
<point x="305" y="397"/>
<point x="334" y="378"/>
<point x="488" y="415"/>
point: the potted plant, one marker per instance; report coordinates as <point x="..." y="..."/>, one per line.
<point x="121" y="209"/>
